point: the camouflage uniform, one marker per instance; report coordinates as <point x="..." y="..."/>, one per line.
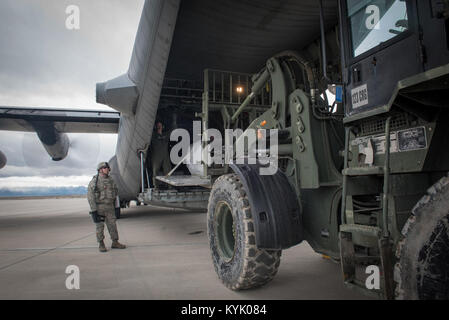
<point x="102" y="199"/>
<point x="160" y="156"/>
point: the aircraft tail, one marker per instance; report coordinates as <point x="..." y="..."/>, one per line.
<point x="136" y="95"/>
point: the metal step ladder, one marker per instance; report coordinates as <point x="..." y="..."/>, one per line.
<point x="352" y="234"/>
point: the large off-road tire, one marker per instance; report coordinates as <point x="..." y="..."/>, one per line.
<point x="230" y="227"/>
<point x="422" y="271"/>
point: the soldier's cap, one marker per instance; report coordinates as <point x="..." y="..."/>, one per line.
<point x="102" y="165"/>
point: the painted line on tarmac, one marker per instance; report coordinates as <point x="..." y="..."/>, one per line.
<point x="46" y="251"/>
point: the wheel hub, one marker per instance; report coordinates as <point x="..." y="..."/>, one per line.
<point x="225" y="230"/>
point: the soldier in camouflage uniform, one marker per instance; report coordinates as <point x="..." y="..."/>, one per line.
<point x="101" y="195"/>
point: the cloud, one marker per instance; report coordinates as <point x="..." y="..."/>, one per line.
<point x="43" y="64"/>
<point x="41" y="58"/>
<point x="18" y="183"/>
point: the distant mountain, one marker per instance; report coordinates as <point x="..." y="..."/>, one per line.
<point x="42" y="191"/>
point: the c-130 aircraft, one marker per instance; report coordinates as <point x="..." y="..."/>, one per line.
<point x="175" y="42"/>
<point x="363" y="179"/>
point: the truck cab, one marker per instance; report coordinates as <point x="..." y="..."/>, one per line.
<point x="395" y="57"/>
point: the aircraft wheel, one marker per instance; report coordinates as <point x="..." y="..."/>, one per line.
<point x="230" y="228"/>
<point x="422" y="271"/>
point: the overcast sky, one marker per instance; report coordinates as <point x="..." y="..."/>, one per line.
<point x="44" y="64"/>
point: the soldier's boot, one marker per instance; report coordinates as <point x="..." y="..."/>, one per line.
<point x="102" y="247"/>
<point x="117" y="245"/>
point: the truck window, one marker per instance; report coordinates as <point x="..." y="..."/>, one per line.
<point x="375" y="21"/>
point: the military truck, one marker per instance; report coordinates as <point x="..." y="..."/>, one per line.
<point x="363" y="179"/>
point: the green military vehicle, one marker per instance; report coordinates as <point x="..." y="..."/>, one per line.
<point x="362" y="179"/>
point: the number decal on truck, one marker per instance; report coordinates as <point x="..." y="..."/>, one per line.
<point x="359" y="96"/>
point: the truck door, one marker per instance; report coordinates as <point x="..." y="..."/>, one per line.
<point x="382" y="47"/>
<point x="434" y="25"/>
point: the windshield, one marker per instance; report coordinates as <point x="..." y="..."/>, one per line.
<point x="375" y="21"/>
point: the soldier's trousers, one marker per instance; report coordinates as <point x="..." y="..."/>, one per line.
<point x="160" y="161"/>
<point x="110" y="223"/>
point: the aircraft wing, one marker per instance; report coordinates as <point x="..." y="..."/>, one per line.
<point x="63" y="120"/>
<point x="52" y="126"/>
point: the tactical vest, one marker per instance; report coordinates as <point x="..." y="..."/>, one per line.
<point x="105" y="192"/>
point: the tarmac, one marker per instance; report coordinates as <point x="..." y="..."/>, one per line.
<point x="167" y="258"/>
